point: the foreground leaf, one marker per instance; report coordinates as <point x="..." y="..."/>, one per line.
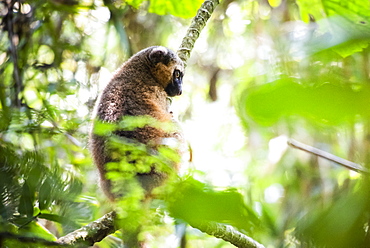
<point x="329" y="103"/>
<point x="183" y="9"/>
<point x="196" y="202"/>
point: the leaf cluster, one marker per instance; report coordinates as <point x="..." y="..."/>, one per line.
<point x="315" y="89"/>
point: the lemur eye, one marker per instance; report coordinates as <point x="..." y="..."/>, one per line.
<point x="177" y="73"/>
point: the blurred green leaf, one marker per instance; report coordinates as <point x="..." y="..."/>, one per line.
<point x="103" y="128"/>
<point x="183" y="9"/>
<point x="26" y="201"/>
<point x="274" y="3"/>
<point x="347" y="36"/>
<point x="135" y="3"/>
<point x="328" y="103"/>
<point x="356" y="10"/>
<point x="341" y="224"/>
<point x="194" y="201"/>
<point x="44" y="194"/>
<point x="58" y="219"/>
<point x="348" y="48"/>
<point x="34" y="229"/>
<point x="345" y="24"/>
<point x="36" y="169"/>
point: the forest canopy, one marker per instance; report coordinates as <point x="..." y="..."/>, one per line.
<point x="262" y="73"/>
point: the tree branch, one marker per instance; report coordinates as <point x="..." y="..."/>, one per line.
<point x="227" y="233"/>
<point x="199" y="21"/>
<point x="326" y="155"/>
<point x="91" y="233"/>
<point x="99" y="229"/>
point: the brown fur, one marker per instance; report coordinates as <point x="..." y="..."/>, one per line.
<point x="137" y="89"/>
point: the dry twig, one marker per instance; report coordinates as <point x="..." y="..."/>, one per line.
<point x="326" y="155"/>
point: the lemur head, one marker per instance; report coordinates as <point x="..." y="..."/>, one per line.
<point x="167" y="69"/>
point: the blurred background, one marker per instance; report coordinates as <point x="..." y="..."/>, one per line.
<point x="261" y="73"/>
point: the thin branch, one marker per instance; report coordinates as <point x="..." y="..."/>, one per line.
<point x="320" y="153"/>
<point x="227" y="233"/>
<point x="91" y="233"/>
<point x="199" y="21"/>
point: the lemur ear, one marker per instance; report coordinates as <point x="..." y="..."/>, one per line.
<point x="157" y="54"/>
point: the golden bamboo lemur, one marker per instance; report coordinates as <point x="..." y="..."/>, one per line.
<point x="141" y="87"/>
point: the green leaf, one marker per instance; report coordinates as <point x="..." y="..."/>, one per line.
<point x="58" y="219"/>
<point x="329" y="103"/>
<point x="345" y="24"/>
<point x="274" y="3"/>
<point x="313" y="7"/>
<point x="356" y="10"/>
<point x="34" y="229"/>
<point x="135" y="3"/>
<point x="347" y="36"/>
<point x="194" y="201"/>
<point x="351" y="47"/>
<point x="340" y="224"/>
<point x="103" y="128"/>
<point x="25" y="206"/>
<point x="34" y="161"/>
<point x="45" y="196"/>
<point x="183" y="9"/>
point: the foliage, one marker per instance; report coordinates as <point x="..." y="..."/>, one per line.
<point x="184" y="9"/>
<point x="300" y="70"/>
<point x="327" y="102"/>
<point x="339" y="226"/>
<point x="195" y="202"/>
<point x="41" y="156"/>
<point x="315" y="95"/>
